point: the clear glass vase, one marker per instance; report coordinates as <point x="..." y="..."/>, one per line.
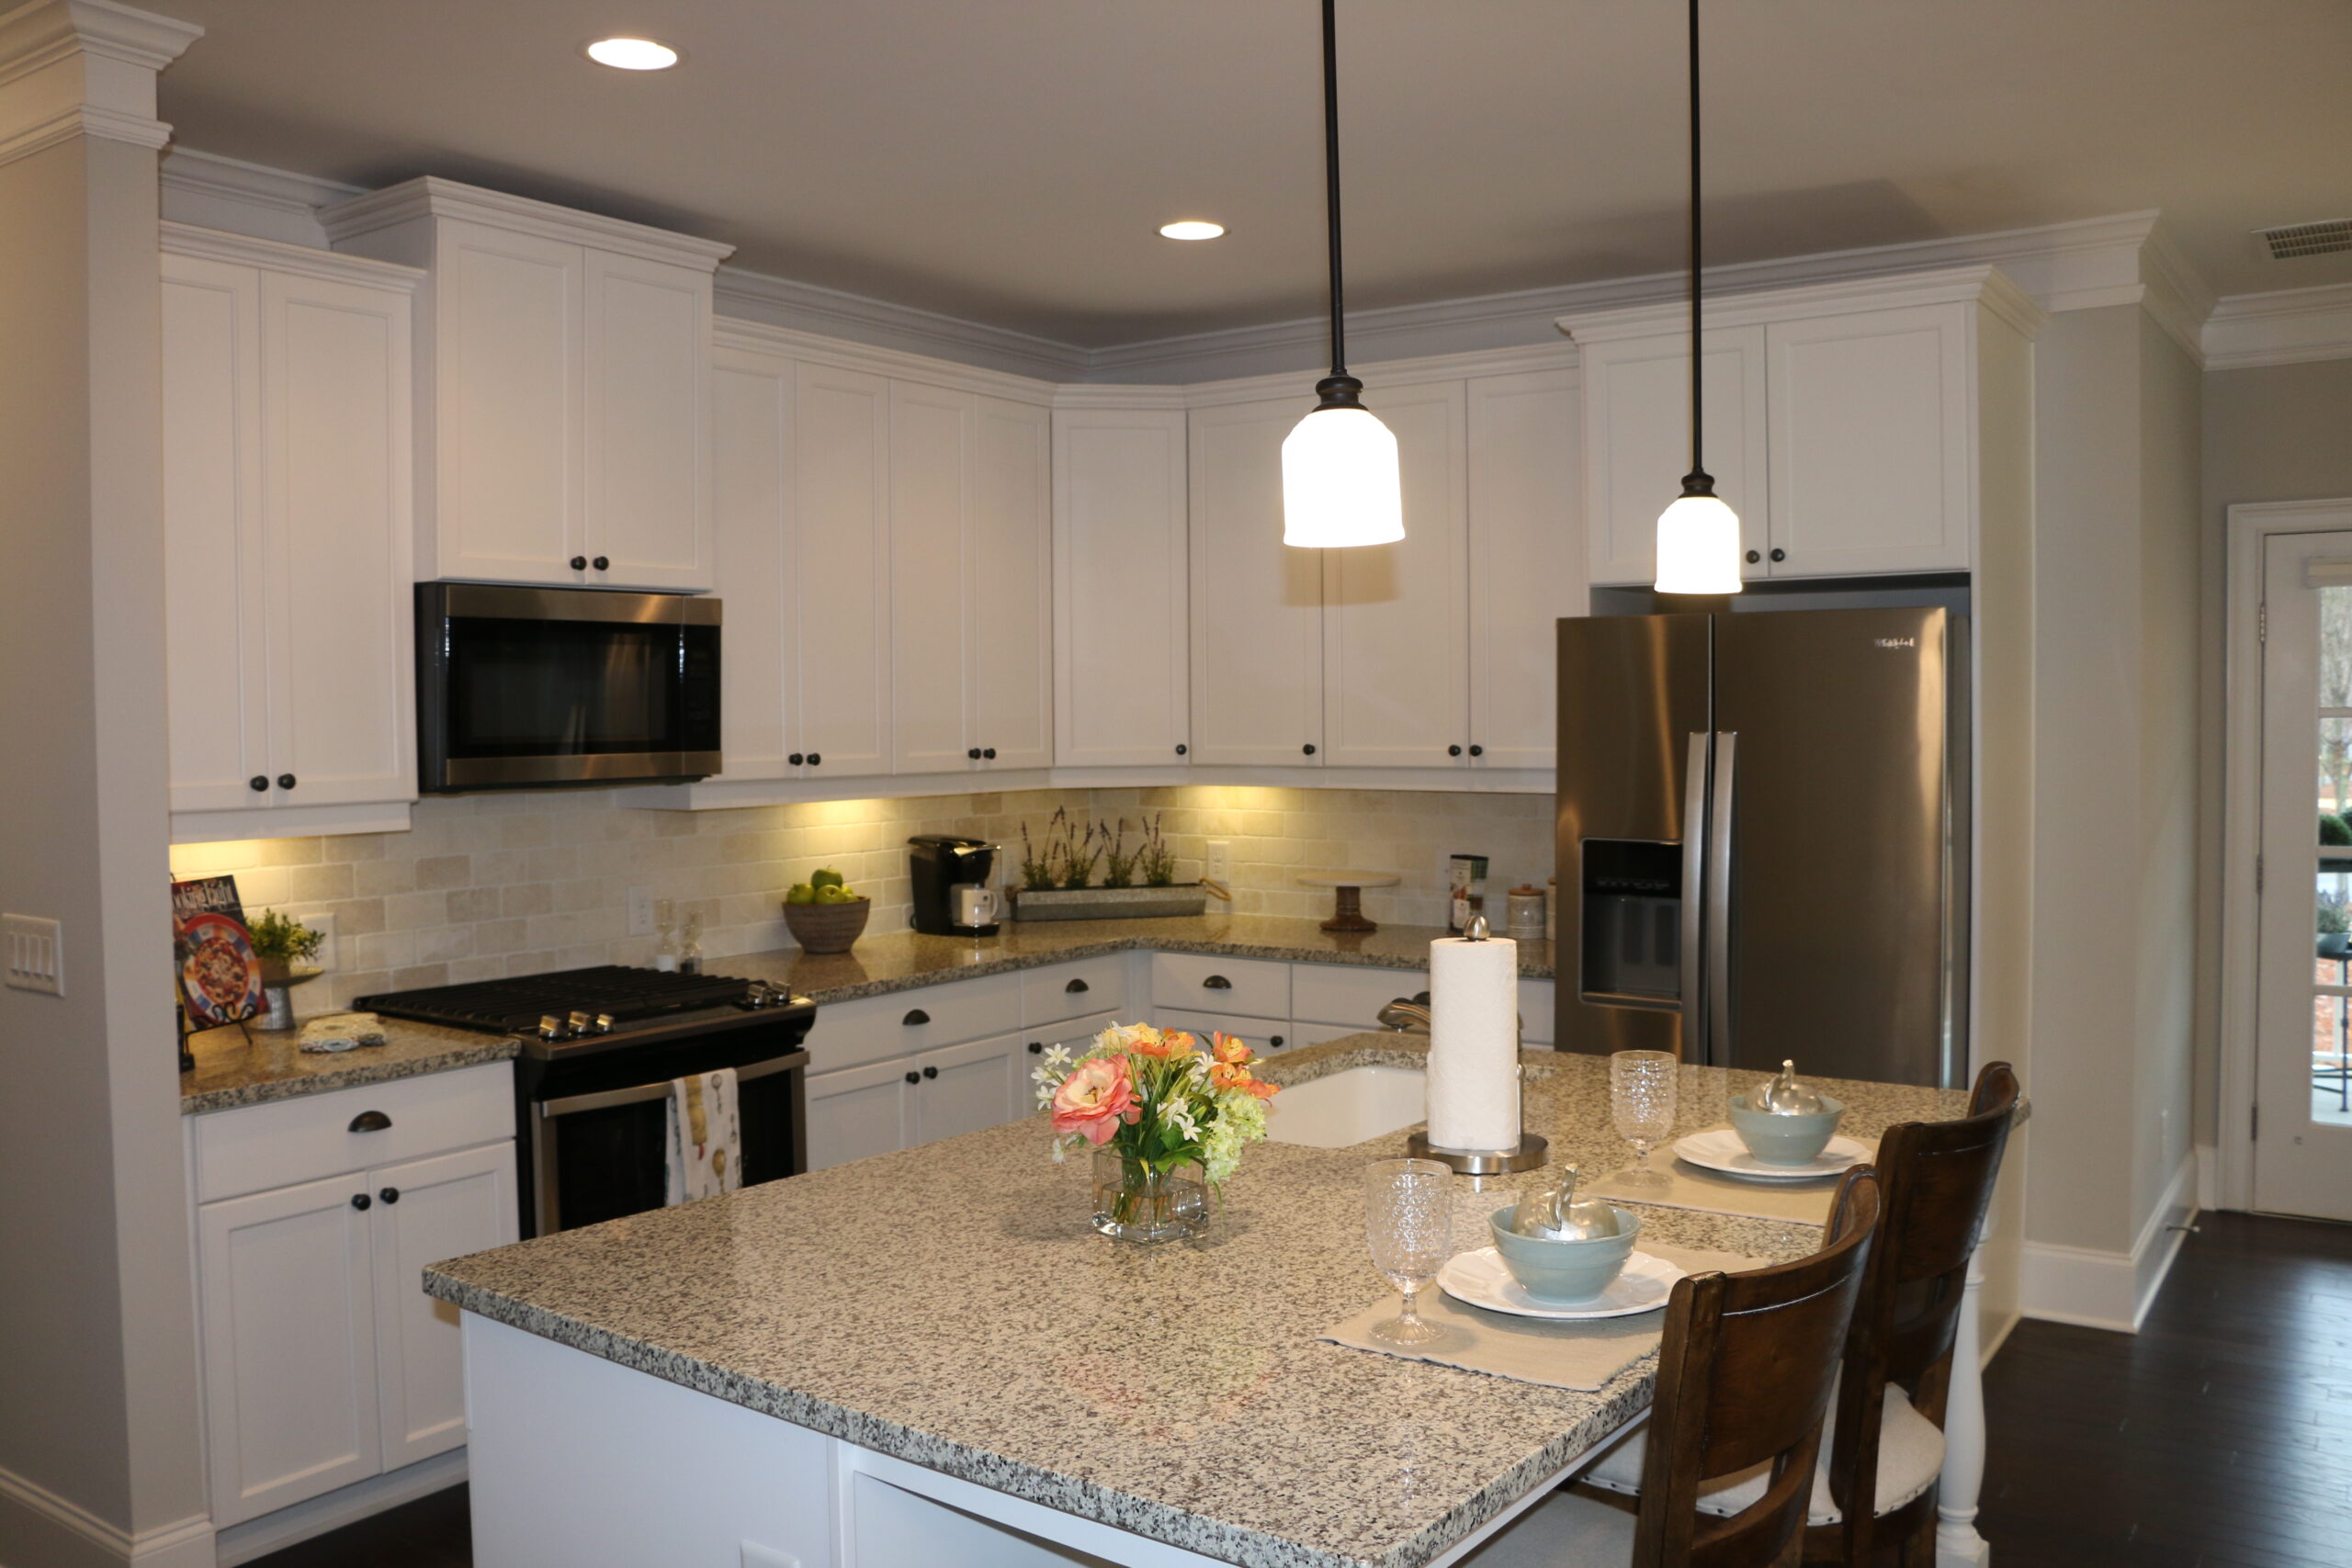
<point x="1135" y="1202"/>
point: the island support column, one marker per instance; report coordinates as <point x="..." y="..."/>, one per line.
<point x="1957" y="1543"/>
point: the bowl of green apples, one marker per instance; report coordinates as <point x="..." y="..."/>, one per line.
<point x="824" y="913"/>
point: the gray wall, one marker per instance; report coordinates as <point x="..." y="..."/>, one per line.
<point x="2277" y="433"/>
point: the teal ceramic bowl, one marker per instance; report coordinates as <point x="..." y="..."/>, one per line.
<point x="1564" y="1272"/>
<point x="1781" y="1138"/>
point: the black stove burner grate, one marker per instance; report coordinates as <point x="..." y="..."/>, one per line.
<point x="518" y="1004"/>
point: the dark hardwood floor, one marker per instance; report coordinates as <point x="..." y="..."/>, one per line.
<point x="2219" y="1436"/>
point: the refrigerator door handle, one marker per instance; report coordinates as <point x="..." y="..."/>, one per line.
<point x="1719" y="853"/>
<point x="1694" y="863"/>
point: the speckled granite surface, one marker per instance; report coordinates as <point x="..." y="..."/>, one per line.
<point x="230" y="1072"/>
<point x="1177" y="1392"/>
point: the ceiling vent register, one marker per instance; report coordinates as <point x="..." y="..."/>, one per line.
<point x="2292" y="241"/>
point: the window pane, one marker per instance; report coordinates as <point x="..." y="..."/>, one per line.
<point x="2335" y="648"/>
<point x="2331" y="1061"/>
<point x="2335" y="782"/>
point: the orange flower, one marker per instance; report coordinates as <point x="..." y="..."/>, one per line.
<point x="1228" y="1048"/>
<point x="1262" y="1091"/>
<point x="1179" y="1044"/>
<point x="1228" y="1075"/>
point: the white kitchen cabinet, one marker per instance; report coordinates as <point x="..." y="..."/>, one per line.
<point x="932" y="435"/>
<point x="1527" y="564"/>
<point x="1637" y="440"/>
<point x="287" y="532"/>
<point x="837" y="561"/>
<point x="751" y="485"/>
<point x="1121" y="666"/>
<point x="1010" y="597"/>
<point x="427" y="1210"/>
<point x="1263" y="1035"/>
<point x="564" y="408"/>
<point x="857" y="1111"/>
<point x="1395" y="617"/>
<point x="1257" y="604"/>
<point x="969" y="1087"/>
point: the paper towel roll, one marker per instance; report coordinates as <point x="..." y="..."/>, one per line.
<point x="1474" y="1044"/>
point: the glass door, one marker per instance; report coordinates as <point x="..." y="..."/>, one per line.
<point x="2303" y="1078"/>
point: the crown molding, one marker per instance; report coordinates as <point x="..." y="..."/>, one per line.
<point x="761" y="337"/>
<point x="1381" y="374"/>
<point x="308" y="261"/>
<point x="805" y="307"/>
<point x="212" y="192"/>
<point x="36" y="35"/>
<point x="2293" y="326"/>
<point x="1124" y="397"/>
<point x="1981" y="284"/>
<point x="429" y="196"/>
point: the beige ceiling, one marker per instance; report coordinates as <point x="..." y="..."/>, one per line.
<point x="1007" y="161"/>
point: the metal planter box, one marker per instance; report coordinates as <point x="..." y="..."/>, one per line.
<point x="1108" y="903"/>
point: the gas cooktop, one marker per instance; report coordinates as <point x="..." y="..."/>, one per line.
<point x="569" y="1003"/>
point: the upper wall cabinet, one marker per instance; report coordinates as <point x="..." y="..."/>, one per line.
<point x="1121" y="680"/>
<point x="288" y="530"/>
<point x="1841" y="421"/>
<point x="1526" y="558"/>
<point x="563" y="400"/>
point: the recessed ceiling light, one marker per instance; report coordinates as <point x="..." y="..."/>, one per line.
<point x="1191" y="229"/>
<point x="632" y="54"/>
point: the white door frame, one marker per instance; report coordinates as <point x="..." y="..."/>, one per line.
<point x="2251" y="525"/>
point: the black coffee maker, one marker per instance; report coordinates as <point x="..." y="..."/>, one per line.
<point x="952" y="895"/>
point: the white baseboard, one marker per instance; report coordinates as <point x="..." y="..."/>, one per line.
<point x="347" y="1505"/>
<point x="2209" y="1176"/>
<point x="2096" y="1288"/>
<point x="41" y="1530"/>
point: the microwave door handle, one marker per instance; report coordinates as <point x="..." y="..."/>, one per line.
<point x="551" y="1109"/>
<point x="1719" y="869"/>
<point x="1694" y="871"/>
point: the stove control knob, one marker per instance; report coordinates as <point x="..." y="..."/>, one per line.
<point x="581" y="1023"/>
<point x="603" y="1023"/>
<point x="550" y="1027"/>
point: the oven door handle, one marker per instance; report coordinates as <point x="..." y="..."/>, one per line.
<point x="551" y="1109"/>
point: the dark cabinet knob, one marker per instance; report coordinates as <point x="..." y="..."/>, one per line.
<point x="795" y="759"/>
<point x="1453" y="750"/>
<point x="915" y="1016"/>
<point x="601" y="563"/>
<point x="930" y="1072"/>
<point x="1755" y="555"/>
<point x="1307" y="749"/>
<point x="1181" y="749"/>
<point x="1477" y="750"/>
<point x="1779" y="554"/>
<point x="1275" y="1041"/>
<point x="370" y="1122"/>
<point x="913" y="1077"/>
<point x="361" y="1202"/>
<point x="258" y="783"/>
<point x="1076" y="989"/>
<point x="974" y="754"/>
<point x="1216" y="983"/>
<point x="286" y="781"/>
<point x="814" y="759"/>
<point x="580" y="563"/>
<point x="990" y="752"/>
<point x="1036" y="1047"/>
<point x="389" y="1194"/>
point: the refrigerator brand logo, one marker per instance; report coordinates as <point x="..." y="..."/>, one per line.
<point x="1897" y="641"/>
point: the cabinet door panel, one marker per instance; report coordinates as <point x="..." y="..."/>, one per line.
<point x="839" y="634"/>
<point x="289" y="1346"/>
<point x="447" y="1206"/>
<point x="1257" y="604"/>
<point x="933" y="439"/>
<point x="214" y="623"/>
<point x="1009" y="614"/>
<point x="858" y="1111"/>
<point x="1396" y="638"/>
<point x="646" y="501"/>
<point x="340" y="541"/>
<point x="1637" y="441"/>
<point x="967" y="1088"/>
<point x="1869" y="426"/>
<point x="1526" y="558"/>
<point x="507" y="404"/>
<point x="1122" y="686"/>
<point x="751" y="443"/>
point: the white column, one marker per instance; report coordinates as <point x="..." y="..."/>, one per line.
<point x="1957" y="1543"/>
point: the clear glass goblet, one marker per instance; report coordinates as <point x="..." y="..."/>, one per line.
<point x="1641" y="1103"/>
<point x="1408" y="1221"/>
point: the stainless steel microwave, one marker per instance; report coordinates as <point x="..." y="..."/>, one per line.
<point x="533" y="688"/>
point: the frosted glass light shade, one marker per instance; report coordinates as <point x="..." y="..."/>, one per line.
<point x="1698" y="547"/>
<point x="1340" y="483"/>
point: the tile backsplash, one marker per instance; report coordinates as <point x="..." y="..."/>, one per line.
<point x="486" y="885"/>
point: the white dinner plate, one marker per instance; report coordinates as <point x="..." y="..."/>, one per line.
<point x="1719" y="1148"/>
<point x="1483" y="1280"/>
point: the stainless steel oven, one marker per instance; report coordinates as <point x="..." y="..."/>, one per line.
<point x="529" y="688"/>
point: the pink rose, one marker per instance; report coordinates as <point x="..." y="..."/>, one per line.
<point x="1095" y="1098"/>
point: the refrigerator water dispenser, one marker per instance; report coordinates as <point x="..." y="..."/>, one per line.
<point x="1632" y="921"/>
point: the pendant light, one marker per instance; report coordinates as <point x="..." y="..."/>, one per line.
<point x="1340" y="483"/>
<point x="1698" y="536"/>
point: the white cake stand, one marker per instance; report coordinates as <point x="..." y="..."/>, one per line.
<point x="1349" y="915"/>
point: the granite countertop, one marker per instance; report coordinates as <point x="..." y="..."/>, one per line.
<point x="1177" y="1392"/>
<point x="899" y="961"/>
<point x="231" y="1072"/>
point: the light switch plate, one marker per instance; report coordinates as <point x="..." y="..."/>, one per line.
<point x="330" y="955"/>
<point x="640" y="911"/>
<point x="35" y="954"/>
<point x="1218" y="866"/>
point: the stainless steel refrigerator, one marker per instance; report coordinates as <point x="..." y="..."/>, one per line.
<point x="1763" y="839"/>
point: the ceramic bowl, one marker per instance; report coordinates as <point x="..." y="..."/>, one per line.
<point x="1783" y="1137"/>
<point x="1564" y="1271"/>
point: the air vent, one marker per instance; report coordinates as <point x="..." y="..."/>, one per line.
<point x="2292" y="240"/>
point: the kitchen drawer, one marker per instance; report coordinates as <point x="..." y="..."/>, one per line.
<point x="1249" y="987"/>
<point x="289" y="1141"/>
<point x="1075" y="1035"/>
<point x="1316" y="1034"/>
<point x="1339" y="992"/>
<point x="1535" y="1012"/>
<point x="873" y="1029"/>
<point x="1263" y="1035"/>
<point x="1072" y="990"/>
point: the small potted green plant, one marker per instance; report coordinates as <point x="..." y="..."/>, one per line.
<point x="289" y="951"/>
<point x="824" y="913"/>
<point x="1057" y="883"/>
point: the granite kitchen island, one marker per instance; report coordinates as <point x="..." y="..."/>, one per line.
<point x="929" y="1357"/>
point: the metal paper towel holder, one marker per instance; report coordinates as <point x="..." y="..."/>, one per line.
<point x="1532" y="1150"/>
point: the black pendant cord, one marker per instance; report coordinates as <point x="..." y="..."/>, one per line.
<point x="1338" y="389"/>
<point x="1697" y="482"/>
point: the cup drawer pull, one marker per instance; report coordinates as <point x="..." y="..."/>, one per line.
<point x="1216" y="983"/>
<point x="370" y="1122"/>
<point x="915" y="1018"/>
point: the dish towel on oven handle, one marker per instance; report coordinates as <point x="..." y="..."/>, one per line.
<point x="705" y="1142"/>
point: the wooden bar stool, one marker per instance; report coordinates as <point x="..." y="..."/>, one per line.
<point x="1744" y="1382"/>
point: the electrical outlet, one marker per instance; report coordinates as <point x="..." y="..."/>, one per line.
<point x="329" y="956"/>
<point x="640" y="911"/>
<point x="1218" y="866"/>
<point x="35" y="954"/>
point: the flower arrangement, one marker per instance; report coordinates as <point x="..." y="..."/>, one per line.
<point x="1152" y="1103"/>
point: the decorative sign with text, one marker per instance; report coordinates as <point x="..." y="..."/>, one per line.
<point x="219" y="975"/>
